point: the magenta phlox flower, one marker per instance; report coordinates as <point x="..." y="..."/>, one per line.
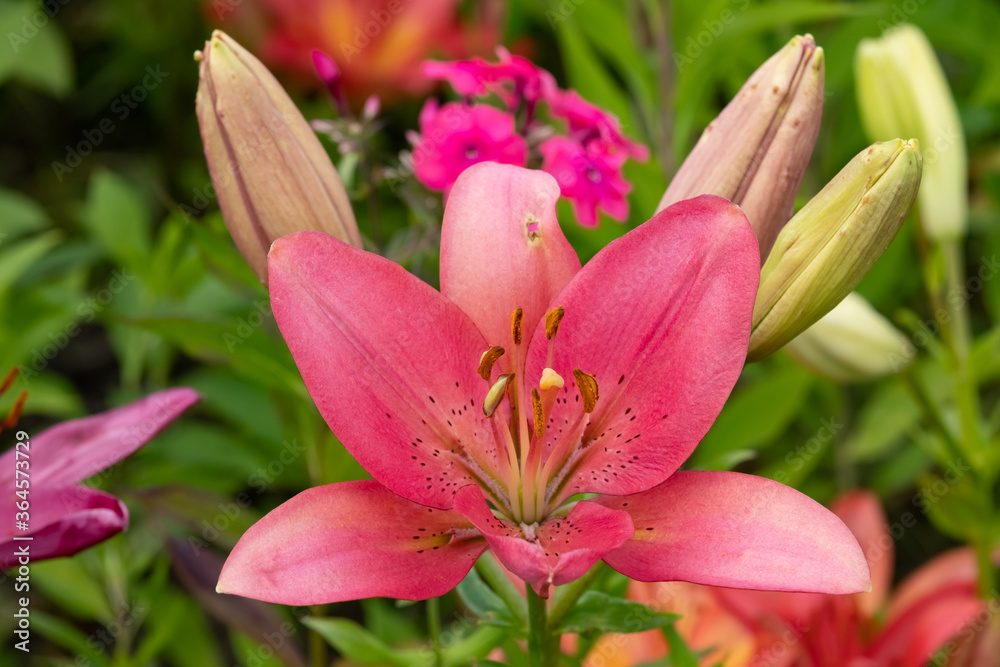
<point x="585" y="120"/>
<point x="586" y="149"/>
<point x="62" y="516"/>
<point x="589" y="176"/>
<point x="456" y="136"/>
<point x="531" y="407"/>
<point x="512" y="78"/>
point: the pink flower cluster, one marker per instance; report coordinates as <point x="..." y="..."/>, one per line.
<point x="586" y="160"/>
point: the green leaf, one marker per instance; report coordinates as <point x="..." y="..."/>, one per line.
<point x="69" y="584"/>
<point x="680" y="654"/>
<point x="117" y="217"/>
<point x="356" y="643"/>
<point x="63" y="634"/>
<point x="17" y="258"/>
<point x="884" y="421"/>
<point x="476" y="644"/>
<point x="35" y="52"/>
<point x="252" y="353"/>
<point x="242" y="404"/>
<point x="600" y="611"/>
<point x="590" y="78"/>
<point x="952" y="502"/>
<point x="20" y="214"/>
<point x="770" y="15"/>
<point x="221" y="253"/>
<point x="482" y="601"/>
<point x="755" y="415"/>
<point x="899" y="472"/>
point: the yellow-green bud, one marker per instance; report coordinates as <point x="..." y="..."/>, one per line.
<point x="851" y="343"/>
<point x="902" y="92"/>
<point x="828" y="246"/>
<point x="270" y="173"/>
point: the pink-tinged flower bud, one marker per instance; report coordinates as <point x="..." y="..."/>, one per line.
<point x="755" y="152"/>
<point x="270" y="173"/>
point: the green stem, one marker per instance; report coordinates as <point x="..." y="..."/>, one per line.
<point x="434" y="628"/>
<point x="966" y="391"/>
<point x="987" y="570"/>
<point x="929" y="410"/>
<point x="317" y="645"/>
<point x="539" y="649"/>
<point x="503" y="587"/>
<point x="953" y="298"/>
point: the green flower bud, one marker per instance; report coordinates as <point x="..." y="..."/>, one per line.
<point x="902" y="92"/>
<point x="270" y="173"/>
<point x="828" y="246"/>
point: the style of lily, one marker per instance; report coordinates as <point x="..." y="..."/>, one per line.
<point x="62" y="516"/>
<point x="532" y="407"/>
<point x="934" y="611"/>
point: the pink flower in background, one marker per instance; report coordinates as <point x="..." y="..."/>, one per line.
<point x="587" y="162"/>
<point x="587" y="121"/>
<point x="456" y="136"/>
<point x="589" y="176"/>
<point x="936" y="607"/>
<point x="485" y="410"/>
<point x="63" y="516"/>
<point x="477" y="78"/>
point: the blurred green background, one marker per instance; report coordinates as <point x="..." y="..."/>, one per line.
<point x="117" y="278"/>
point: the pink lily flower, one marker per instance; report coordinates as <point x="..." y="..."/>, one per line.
<point x="64" y="517"/>
<point x="456" y="136"/>
<point x="935" y="608"/>
<point x="486" y="410"/>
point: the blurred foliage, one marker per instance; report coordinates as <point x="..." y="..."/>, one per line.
<point x="117" y="277"/>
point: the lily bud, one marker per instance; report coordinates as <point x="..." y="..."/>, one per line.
<point x="270" y="173"/>
<point x="825" y="250"/>
<point x="755" y="152"/>
<point x="902" y="92"/>
<point x="851" y="343"/>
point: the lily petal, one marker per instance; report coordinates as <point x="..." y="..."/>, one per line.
<point x="63" y="521"/>
<point x="730" y="529"/>
<point x="861" y="512"/>
<point x="502" y="248"/>
<point x="661" y="317"/>
<point x="954" y="570"/>
<point x="348" y="541"/>
<point x="390" y="363"/>
<point x="913" y="639"/>
<point x="73" y="451"/>
<point x="559" y="551"/>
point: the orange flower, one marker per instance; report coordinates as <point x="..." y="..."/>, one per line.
<point x="934" y="612"/>
<point x="379" y="45"/>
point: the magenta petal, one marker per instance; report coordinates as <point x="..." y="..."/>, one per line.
<point x="661" y="317"/>
<point x="390" y="363"/>
<point x="62" y="522"/>
<point x="502" y="248"/>
<point x="730" y="529"/>
<point x="561" y="550"/>
<point x="348" y="541"/>
<point x="73" y="451"/>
